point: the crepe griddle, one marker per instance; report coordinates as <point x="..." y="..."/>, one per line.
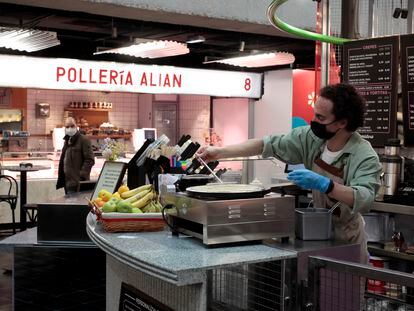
<point x="226" y="191"/>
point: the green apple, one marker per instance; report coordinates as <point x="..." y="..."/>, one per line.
<point x="109" y="207"/>
<point x="136" y="210"/>
<point x="124" y="207"/>
<point x="114" y="199"/>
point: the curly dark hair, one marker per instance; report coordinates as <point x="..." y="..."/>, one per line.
<point x="347" y="104"/>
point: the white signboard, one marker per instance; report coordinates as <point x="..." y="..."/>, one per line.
<point x="110" y="177"/>
<point x="72" y="74"/>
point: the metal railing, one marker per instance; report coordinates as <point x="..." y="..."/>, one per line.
<point x="342" y="286"/>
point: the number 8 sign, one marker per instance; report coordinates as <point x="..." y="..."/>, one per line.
<point x="247" y="84"/>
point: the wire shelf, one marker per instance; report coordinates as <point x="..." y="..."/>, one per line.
<point x="251" y="287"/>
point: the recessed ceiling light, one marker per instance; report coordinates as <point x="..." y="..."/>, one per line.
<point x="258" y="60"/>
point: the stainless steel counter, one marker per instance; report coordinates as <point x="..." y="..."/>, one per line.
<point x="304" y="249"/>
<point x="392" y="208"/>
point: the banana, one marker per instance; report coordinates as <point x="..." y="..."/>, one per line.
<point x="158" y="206"/>
<point x="137" y="196"/>
<point x="130" y="193"/>
<point x="143" y="201"/>
<point x="145" y="209"/>
<point x="152" y="208"/>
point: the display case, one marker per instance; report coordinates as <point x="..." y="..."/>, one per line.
<point x="94" y="122"/>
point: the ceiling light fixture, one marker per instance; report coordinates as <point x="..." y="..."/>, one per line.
<point x="241" y="46"/>
<point x="29" y="40"/>
<point x="195" y="39"/>
<point x="114" y="33"/>
<point x="150" y="49"/>
<point x="258" y="60"/>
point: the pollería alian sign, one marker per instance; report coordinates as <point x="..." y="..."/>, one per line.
<point x="72" y="74"/>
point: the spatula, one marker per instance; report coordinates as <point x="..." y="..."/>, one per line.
<point x="210" y="170"/>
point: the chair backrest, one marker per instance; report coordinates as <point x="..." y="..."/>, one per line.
<point x="11" y="184"/>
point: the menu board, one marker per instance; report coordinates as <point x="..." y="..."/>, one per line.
<point x="371" y="66"/>
<point x="132" y="299"/>
<point x="407" y="87"/>
<point x="110" y="177"/>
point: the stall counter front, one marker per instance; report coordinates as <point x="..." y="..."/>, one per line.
<point x="52" y="276"/>
<point x="181" y="273"/>
<point x="173" y="270"/>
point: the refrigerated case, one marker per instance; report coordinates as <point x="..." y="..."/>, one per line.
<point x="13" y="139"/>
<point x="10" y="120"/>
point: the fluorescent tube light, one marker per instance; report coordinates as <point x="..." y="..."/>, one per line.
<point x="29" y="40"/>
<point x="258" y="60"/>
<point x="152" y="49"/>
<point x="195" y="39"/>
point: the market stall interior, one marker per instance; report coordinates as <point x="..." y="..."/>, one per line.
<point x="178" y="233"/>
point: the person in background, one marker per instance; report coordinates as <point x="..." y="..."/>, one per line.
<point x="340" y="165"/>
<point x="77" y="158"/>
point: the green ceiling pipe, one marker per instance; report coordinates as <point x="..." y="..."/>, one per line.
<point x="279" y="24"/>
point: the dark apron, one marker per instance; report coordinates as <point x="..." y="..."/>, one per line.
<point x="347" y="226"/>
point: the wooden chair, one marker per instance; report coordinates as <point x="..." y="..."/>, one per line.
<point x="10" y="195"/>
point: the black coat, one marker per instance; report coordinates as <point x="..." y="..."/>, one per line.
<point x="76" y="161"/>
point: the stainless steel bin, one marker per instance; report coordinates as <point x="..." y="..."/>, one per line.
<point x="313" y="223"/>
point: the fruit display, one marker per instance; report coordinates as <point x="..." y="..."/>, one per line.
<point x="139" y="200"/>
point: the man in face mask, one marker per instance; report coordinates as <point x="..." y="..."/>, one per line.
<point x="340" y="165"/>
<point x="77" y="158"/>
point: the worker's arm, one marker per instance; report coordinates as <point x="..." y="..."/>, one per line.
<point x="248" y="148"/>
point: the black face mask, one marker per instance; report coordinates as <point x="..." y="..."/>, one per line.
<point x="320" y="130"/>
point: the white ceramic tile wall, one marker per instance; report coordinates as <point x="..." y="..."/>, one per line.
<point x="129" y="111"/>
<point x="124" y="112"/>
<point x="194" y="116"/>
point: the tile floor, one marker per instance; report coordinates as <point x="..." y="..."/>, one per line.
<point x="47" y="278"/>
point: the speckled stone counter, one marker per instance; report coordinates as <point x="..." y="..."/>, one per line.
<point x="158" y="263"/>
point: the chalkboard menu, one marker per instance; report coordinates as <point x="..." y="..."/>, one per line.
<point x="407" y="87"/>
<point x="371" y="66"/>
<point x="132" y="299"/>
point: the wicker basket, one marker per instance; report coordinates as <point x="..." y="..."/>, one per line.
<point x="128" y="222"/>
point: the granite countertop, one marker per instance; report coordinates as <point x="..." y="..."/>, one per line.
<point x="28" y="238"/>
<point x="24" y="238"/>
<point x="392" y="208"/>
<point x="179" y="260"/>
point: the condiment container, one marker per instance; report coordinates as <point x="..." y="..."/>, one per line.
<point x="313" y="223"/>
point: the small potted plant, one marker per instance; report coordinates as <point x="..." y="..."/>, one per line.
<point x="112" y="150"/>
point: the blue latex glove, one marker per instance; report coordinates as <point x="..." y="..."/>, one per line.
<point x="309" y="180"/>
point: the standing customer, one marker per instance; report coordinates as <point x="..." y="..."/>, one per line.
<point x="77" y="158"/>
<point x="341" y="165"/>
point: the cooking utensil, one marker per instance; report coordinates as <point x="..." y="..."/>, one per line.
<point x="211" y="166"/>
<point x="192" y="180"/>
<point x="210" y="170"/>
<point x="226" y="191"/>
<point x="334" y="207"/>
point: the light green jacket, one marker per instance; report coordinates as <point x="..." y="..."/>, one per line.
<point x="361" y="163"/>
